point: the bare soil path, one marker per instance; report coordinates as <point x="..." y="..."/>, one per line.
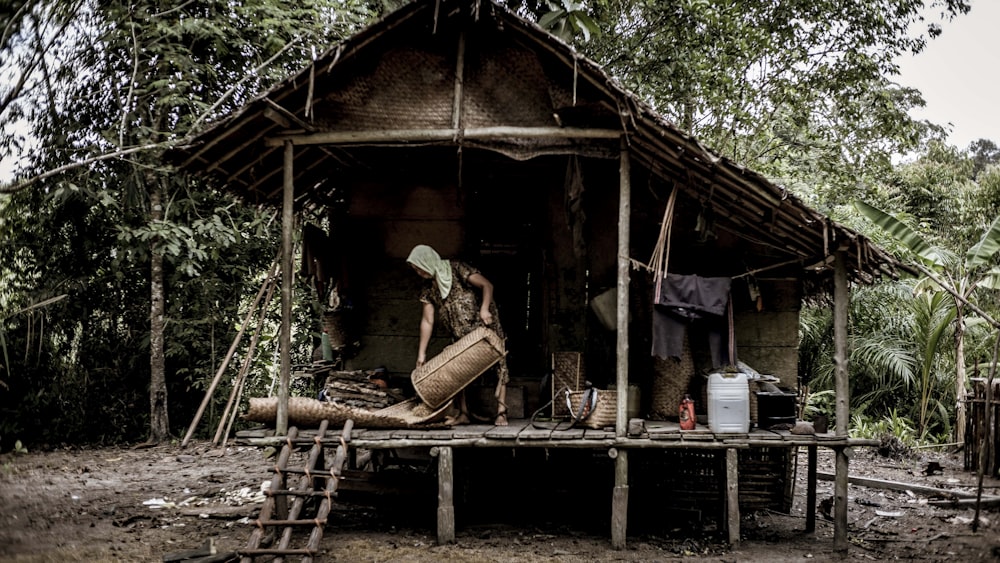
<point x="131" y="505"/>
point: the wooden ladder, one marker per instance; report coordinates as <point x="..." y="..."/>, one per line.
<point x="277" y="517"/>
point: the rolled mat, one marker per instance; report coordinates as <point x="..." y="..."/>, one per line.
<point x="458" y="365"/>
<point x="305" y="412"/>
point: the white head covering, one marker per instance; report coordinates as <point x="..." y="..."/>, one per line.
<point x="428" y="260"/>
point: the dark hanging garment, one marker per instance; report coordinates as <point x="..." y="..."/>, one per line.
<point x="685" y="300"/>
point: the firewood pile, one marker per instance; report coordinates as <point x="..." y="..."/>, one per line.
<point x="359" y="388"/>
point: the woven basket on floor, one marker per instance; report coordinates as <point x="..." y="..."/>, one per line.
<point x="671" y="379"/>
<point x="567" y="373"/>
<point x="458" y="365"/>
<point x="603" y="413"/>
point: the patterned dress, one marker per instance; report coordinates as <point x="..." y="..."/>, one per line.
<point x="458" y="314"/>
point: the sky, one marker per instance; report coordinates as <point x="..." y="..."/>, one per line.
<point x="957" y="74"/>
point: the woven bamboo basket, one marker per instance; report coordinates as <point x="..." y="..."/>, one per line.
<point x="671" y="379"/>
<point x="458" y="365"/>
<point x="337" y="326"/>
<point x="754" y="387"/>
<point x="603" y="414"/>
<point x="305" y="412"/>
<point x="567" y="373"/>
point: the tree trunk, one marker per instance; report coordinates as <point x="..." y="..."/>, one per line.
<point x="959" y="375"/>
<point x="159" y="423"/>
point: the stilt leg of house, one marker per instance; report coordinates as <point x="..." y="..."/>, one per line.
<point x="619" y="501"/>
<point x="840" y="502"/>
<point x="811" y="490"/>
<point x="732" y="497"/>
<point x="446" y="496"/>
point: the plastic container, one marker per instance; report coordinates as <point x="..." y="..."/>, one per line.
<point x="728" y="403"/>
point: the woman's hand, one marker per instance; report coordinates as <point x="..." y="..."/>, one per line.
<point x="487" y="316"/>
<point x="421" y="359"/>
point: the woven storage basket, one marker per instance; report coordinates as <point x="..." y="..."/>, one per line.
<point x="603" y="414"/>
<point x="567" y="373"/>
<point x="671" y="379"/>
<point x="458" y="365"/>
<point x="337" y="326"/>
<point x="754" y="385"/>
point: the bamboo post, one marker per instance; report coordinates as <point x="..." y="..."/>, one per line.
<point x="733" y="497"/>
<point x="237" y="391"/>
<point x="986" y="444"/>
<point x="285" y="337"/>
<point x="811" y="490"/>
<point x="840" y="305"/>
<point x="446" y="496"/>
<point x="619" y="499"/>
<point x="624" y="211"/>
<point x="229" y="356"/>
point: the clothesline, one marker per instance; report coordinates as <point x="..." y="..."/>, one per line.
<point x="637" y="265"/>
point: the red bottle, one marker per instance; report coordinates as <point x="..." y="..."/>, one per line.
<point x="685" y="413"/>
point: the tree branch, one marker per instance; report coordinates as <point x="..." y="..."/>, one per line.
<point x="18" y="186"/>
<point x="230" y="92"/>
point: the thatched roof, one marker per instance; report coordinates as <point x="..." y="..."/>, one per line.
<point x="442" y="74"/>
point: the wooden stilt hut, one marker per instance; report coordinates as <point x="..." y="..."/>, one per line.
<point x="460" y="125"/>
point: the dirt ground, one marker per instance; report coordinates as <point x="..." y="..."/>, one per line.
<point x="118" y="504"/>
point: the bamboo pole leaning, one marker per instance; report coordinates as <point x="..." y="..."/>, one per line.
<point x="239" y="381"/>
<point x="229" y="356"/>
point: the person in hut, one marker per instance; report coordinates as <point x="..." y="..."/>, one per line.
<point x="461" y="298"/>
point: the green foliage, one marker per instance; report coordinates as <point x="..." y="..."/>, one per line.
<point x="802" y="91"/>
<point x="898" y="361"/>
<point x="567" y="19"/>
<point x="80" y="370"/>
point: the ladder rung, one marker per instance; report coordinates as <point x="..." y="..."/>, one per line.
<point x="311" y="472"/>
<point x="289" y="492"/>
<point x="313" y="522"/>
<point x="275" y="551"/>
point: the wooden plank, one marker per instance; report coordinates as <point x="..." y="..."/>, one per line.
<point x="898" y="486"/>
<point x="571" y="434"/>
<point x="471" y="430"/>
<point x="592" y="434"/>
<point x="532" y="433"/>
<point x="373" y="434"/>
<point x="439" y="434"/>
<point x="503" y="432"/>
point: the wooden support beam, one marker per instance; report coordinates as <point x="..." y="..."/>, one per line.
<point x="624" y="225"/>
<point x="811" y="490"/>
<point x="285" y="336"/>
<point x="841" y="297"/>
<point x="446" y="496"/>
<point x="619" y="499"/>
<point x="287" y="116"/>
<point x="424" y="135"/>
<point x="733" y="497"/>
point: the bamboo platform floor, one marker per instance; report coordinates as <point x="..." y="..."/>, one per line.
<point x="522" y="433"/>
